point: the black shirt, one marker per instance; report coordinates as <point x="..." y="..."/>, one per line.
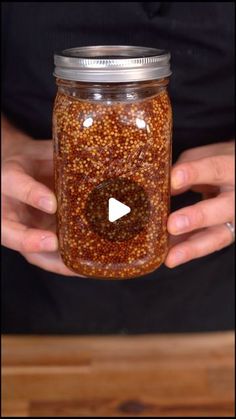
<point x="200" y="36"/>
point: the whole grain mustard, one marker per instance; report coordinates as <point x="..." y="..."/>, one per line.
<point x="112" y="140"/>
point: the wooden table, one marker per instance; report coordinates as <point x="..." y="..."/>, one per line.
<point x="148" y="375"/>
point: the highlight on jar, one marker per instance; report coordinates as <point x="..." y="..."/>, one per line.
<point x="112" y="131"/>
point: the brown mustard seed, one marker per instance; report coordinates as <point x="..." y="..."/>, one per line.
<point x="120" y="150"/>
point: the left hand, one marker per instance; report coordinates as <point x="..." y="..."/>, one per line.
<point x="200" y="229"/>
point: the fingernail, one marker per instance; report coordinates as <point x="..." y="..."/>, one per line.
<point x="49" y="243"/>
<point x="46" y="204"/>
<point x="178" y="179"/>
<point x="181" y="223"/>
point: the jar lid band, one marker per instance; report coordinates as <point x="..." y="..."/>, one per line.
<point x="112" y="63"/>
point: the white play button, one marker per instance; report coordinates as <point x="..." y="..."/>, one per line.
<point x="116" y="210"/>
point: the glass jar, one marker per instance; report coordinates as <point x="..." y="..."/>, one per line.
<point x="112" y="129"/>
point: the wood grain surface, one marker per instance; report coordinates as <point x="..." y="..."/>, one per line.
<point x="147" y="375"/>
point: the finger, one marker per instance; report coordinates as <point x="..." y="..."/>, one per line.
<point x="18" y="237"/>
<point x="217" y="170"/>
<point x="209" y="150"/>
<point x="205" y="213"/>
<point x="50" y="262"/>
<point x="199" y="244"/>
<point x="19" y="185"/>
<point x="44" y="170"/>
<point x="206" y="190"/>
<point x="41" y="150"/>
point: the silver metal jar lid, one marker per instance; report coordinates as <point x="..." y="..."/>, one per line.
<point x="112" y="63"/>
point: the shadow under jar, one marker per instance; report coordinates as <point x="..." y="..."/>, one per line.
<point x="112" y="130"/>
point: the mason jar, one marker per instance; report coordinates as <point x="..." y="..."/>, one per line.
<point x="112" y="130"/>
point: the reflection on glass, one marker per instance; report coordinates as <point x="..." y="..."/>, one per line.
<point x="140" y="123"/>
<point x="88" y="122"/>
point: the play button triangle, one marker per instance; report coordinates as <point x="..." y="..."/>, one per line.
<point x="116" y="209"/>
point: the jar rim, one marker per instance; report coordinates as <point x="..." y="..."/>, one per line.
<point x="112" y="63"/>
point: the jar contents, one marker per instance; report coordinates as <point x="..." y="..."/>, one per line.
<point x="112" y="156"/>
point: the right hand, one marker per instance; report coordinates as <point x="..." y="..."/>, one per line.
<point x="29" y="204"/>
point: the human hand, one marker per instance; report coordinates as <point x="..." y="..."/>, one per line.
<point x="29" y="205"/>
<point x="200" y="229"/>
